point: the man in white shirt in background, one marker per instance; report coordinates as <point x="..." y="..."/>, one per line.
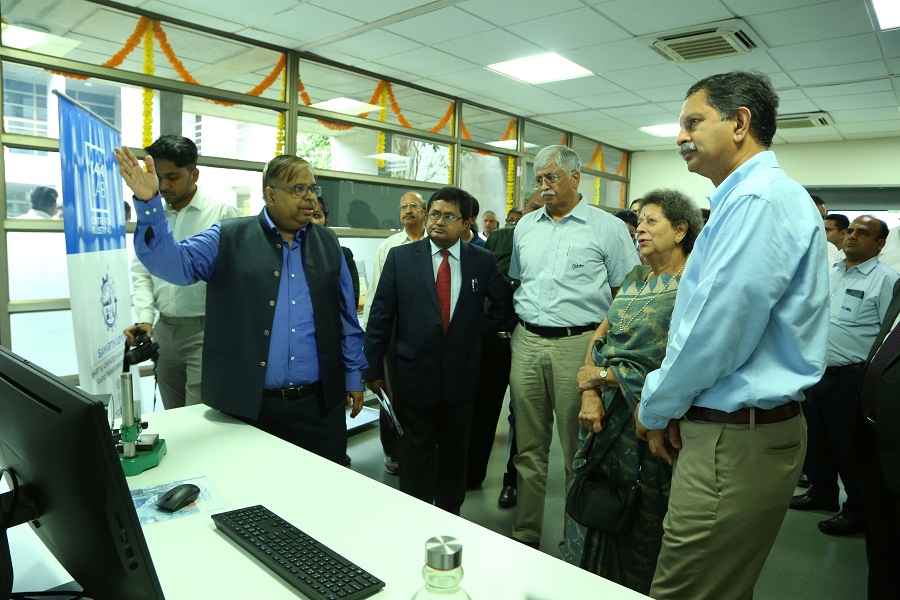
<point x="412" y="215"/>
<point x="43" y="203"/>
<point x="182" y="309"/>
<point x="835" y="232"/>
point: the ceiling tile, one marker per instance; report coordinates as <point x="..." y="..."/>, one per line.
<point x="610" y="100"/>
<point x="504" y="12"/>
<point x="478" y="80"/>
<point x="583" y="27"/>
<point x="642" y="78"/>
<point x="824" y="53"/>
<point x="891" y="41"/>
<point x="374" y="44"/>
<point x="426" y="62"/>
<point x="615" y="56"/>
<point x="793" y="107"/>
<point x="490" y="47"/>
<point x="549" y="107"/>
<point x="656" y="16"/>
<point x="755" y="7"/>
<point x="811" y="23"/>
<point x="875" y="100"/>
<point x="666" y="93"/>
<point x="207" y="13"/>
<point x="366" y="11"/>
<point x="846" y="89"/>
<point x="813" y="134"/>
<point x="863" y="115"/>
<point x="581" y="86"/>
<point x="326" y="22"/>
<point x="438" y="26"/>
<point x="870" y="135"/>
<point x="892" y="127"/>
<point x="840" y="73"/>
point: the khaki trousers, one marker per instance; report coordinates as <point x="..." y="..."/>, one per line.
<point x="180" y="364"/>
<point x="543" y="385"/>
<point x="731" y="488"/>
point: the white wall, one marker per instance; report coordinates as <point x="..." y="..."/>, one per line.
<point x="855" y="162"/>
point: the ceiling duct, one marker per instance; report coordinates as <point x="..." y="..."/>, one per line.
<point x="716" y="40"/>
<point x="803" y="120"/>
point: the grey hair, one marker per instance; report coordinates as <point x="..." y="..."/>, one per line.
<point x="678" y="208"/>
<point x="564" y="157"/>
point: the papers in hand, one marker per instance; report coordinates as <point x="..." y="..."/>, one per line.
<point x="388" y="407"/>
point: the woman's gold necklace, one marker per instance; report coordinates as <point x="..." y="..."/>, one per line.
<point x="652" y="298"/>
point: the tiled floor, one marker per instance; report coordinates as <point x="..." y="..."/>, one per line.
<point x="804" y="563"/>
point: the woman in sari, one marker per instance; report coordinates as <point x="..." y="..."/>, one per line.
<point x="630" y="343"/>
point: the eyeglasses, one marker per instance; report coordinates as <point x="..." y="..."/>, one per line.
<point x="511" y="220"/>
<point x="832" y="229"/>
<point x="410" y="205"/>
<point x="300" y="189"/>
<point x="448" y="218"/>
<point x="550" y="178"/>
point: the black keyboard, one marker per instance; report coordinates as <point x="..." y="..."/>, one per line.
<point x="308" y="565"/>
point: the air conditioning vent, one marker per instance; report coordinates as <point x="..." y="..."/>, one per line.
<point x="804" y="120"/>
<point x="716" y="40"/>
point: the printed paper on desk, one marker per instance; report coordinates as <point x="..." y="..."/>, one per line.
<point x="145" y="501"/>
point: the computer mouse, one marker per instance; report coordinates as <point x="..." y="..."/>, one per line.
<point x="178" y="497"/>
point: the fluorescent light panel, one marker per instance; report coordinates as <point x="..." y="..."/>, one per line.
<point x="36" y="39"/>
<point x="668" y="130"/>
<point x="542" y="68"/>
<point x="347" y="106"/>
<point x="510" y="144"/>
<point x="888" y="13"/>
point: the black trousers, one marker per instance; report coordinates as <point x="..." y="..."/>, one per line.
<point x="830" y="411"/>
<point x="493" y="380"/>
<point x="433" y="451"/>
<point x="386" y="430"/>
<point x="306" y="423"/>
<point x="881" y="507"/>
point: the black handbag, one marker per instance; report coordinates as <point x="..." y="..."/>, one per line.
<point x="597" y="502"/>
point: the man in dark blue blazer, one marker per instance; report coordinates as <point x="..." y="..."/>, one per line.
<point x="432" y="292"/>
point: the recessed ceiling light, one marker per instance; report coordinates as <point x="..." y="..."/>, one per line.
<point x="36" y="39"/>
<point x="888" y="13"/>
<point x="668" y="130"/>
<point x="387" y="156"/>
<point x="347" y="106"/>
<point x="542" y="68"/>
<point x="510" y="144"/>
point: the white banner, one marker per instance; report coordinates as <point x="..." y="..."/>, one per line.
<point x="94" y="221"/>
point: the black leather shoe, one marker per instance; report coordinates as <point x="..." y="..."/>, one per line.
<point x="508" y="497"/>
<point x="840" y="525"/>
<point x="804" y="481"/>
<point x="807" y="502"/>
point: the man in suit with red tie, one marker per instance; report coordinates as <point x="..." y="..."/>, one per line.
<point x="432" y="293"/>
<point x="877" y="454"/>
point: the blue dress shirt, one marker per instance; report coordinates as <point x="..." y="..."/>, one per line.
<point x="293" y="355"/>
<point x="859" y="300"/>
<point x="750" y="324"/>
<point x="568" y="266"/>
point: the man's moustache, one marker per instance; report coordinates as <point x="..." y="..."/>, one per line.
<point x="687" y="147"/>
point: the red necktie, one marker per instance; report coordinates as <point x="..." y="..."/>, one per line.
<point x="443" y="287"/>
<point x="880" y="361"/>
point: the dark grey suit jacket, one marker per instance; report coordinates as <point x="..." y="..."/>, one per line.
<point x="432" y="366"/>
<point x="887" y="401"/>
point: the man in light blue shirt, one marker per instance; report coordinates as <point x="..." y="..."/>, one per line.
<point x="571" y="259"/>
<point x="861" y="290"/>
<point x="748" y="335"/>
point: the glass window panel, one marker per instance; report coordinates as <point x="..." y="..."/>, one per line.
<point x="238" y="131"/>
<point x="364" y="205"/>
<point x="24" y="171"/>
<point x="47" y="339"/>
<point x="234" y="187"/>
<point x="92" y="33"/>
<point x="335" y="147"/>
<point x="419" y="110"/>
<point x="489" y="127"/>
<point x="37" y="265"/>
<point x="538" y="136"/>
<point x="601" y="157"/>
<point x="486" y="177"/>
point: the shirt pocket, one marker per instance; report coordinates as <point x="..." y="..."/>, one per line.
<point x="580" y="265"/>
<point x="851" y="305"/>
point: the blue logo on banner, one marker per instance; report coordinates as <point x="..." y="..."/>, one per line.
<point x="109" y="302"/>
<point x="90" y="177"/>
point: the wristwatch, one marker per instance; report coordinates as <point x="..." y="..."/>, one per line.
<point x="603" y="374"/>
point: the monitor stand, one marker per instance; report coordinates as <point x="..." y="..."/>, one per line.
<point x="16" y="508"/>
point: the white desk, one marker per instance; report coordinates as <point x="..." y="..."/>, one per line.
<point x="382" y="530"/>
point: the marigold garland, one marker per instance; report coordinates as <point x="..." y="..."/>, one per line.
<point x="510" y="182"/>
<point x="147" y="95"/>
<point x="596" y="191"/>
<point x="279" y="131"/>
<point x="382" y="117"/>
<point x="450" y="162"/>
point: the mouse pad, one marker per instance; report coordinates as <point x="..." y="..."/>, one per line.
<point x="145" y="501"/>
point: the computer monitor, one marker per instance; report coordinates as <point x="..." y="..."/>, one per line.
<point x="57" y="441"/>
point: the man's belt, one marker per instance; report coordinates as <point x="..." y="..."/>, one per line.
<point x="292" y="393"/>
<point x="504" y="335"/>
<point x="559" y="332"/>
<point x="745" y="416"/>
<point x="844" y="369"/>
